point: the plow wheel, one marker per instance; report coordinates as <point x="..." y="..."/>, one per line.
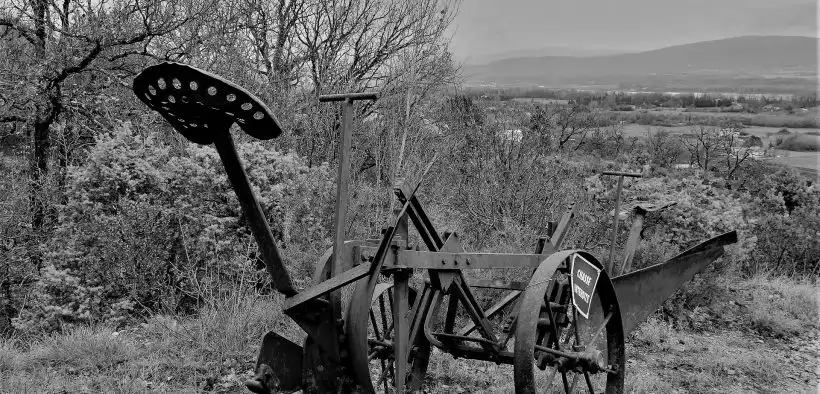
<point x="372" y="362"/>
<point x="557" y="349"/>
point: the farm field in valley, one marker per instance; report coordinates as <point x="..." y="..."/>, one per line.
<point x="803" y="161"/>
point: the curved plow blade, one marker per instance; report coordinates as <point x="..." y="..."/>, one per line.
<point x="642" y="292"/>
<point x="279" y="367"/>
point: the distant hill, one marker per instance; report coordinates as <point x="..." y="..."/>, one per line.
<point x="542" y="52"/>
<point x="744" y="58"/>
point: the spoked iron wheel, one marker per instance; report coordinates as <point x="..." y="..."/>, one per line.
<point x="559" y="350"/>
<point x="374" y="364"/>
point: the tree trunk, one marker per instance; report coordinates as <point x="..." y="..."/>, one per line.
<point x="44" y="115"/>
<point x="38" y="168"/>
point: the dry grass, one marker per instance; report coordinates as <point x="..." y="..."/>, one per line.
<point x="8" y="356"/>
<point x="700" y="363"/>
<point x="733" y="357"/>
<point x="88" y="359"/>
<point x="783" y="307"/>
<point x="216" y="350"/>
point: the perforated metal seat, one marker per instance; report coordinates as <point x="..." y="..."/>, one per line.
<point x="198" y="103"/>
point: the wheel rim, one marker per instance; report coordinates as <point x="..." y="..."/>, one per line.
<point x="537" y="370"/>
<point x="373" y="363"/>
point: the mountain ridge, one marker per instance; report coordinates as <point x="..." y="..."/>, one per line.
<point x="735" y="57"/>
<point x="568" y="51"/>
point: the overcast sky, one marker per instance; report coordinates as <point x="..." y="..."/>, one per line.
<point x="493" y="26"/>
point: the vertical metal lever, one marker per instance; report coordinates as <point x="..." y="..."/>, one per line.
<point x="610" y="261"/>
<point x="344" y="168"/>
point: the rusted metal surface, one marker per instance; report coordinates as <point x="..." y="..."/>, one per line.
<point x="343" y="173"/>
<point x="498" y="284"/>
<point x="526" y="334"/>
<point x="460" y="260"/>
<point x="253" y="212"/>
<point x="402" y="335"/>
<point x="326" y="98"/>
<point x="561" y="230"/>
<point x="342" y="195"/>
<point x="579" y="338"/>
<point x="334" y="283"/>
<point x="642" y="292"/>
<point x="347" y="277"/>
<point x="199" y="104"/>
<point x="578" y="348"/>
<point x="611" y="259"/>
<point x="621" y="173"/>
<point x="278" y="367"/>
<point x="359" y="311"/>
<point x="631" y="244"/>
<point x="381" y="330"/>
<point x="477" y="316"/>
<point x="636" y="231"/>
<point x="205" y="118"/>
<point x="494" y="309"/>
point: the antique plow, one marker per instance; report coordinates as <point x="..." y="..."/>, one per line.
<point x="565" y="325"/>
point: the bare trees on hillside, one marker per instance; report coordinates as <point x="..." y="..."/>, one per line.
<point x="563" y="127"/>
<point x="65" y="57"/>
<point x="300" y="49"/>
<point x="716" y="149"/>
<point x="664" y="149"/>
<point x="58" y="45"/>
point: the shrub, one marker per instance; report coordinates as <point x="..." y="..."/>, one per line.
<point x="653" y="332"/>
<point x="702" y="210"/>
<point x="784" y="211"/>
<point x="800" y="143"/>
<point x="144" y="228"/>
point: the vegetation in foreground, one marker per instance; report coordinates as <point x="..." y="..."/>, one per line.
<point x="758" y="335"/>
<point x="125" y="264"/>
<point x="149" y="264"/>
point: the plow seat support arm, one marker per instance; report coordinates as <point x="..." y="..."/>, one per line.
<point x="253" y="212"/>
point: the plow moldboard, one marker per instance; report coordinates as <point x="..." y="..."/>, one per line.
<point x="642" y="292"/>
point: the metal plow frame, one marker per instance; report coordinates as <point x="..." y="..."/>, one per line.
<point x="382" y="336"/>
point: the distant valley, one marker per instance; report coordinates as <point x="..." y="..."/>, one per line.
<point x="762" y="64"/>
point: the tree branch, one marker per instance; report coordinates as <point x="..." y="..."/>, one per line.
<point x="12" y="119"/>
<point x="24" y="32"/>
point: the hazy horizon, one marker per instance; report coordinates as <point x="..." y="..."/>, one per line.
<point x="485" y="28"/>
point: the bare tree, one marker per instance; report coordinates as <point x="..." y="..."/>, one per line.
<point x="573" y="123"/>
<point x="704" y="144"/>
<point x="290" y="51"/>
<point x="713" y="147"/>
<point x="561" y="126"/>
<point x="734" y="152"/>
<point x="57" y="42"/>
<point x="664" y="150"/>
<point x="352" y="43"/>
